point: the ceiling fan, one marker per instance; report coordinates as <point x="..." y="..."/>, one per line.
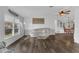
<point x="63" y="12"/>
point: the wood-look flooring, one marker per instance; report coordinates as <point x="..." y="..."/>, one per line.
<point x="49" y="45"/>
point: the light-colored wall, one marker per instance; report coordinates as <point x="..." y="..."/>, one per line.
<point x="50" y="15"/>
<point x="3" y="11"/>
<point x="63" y="19"/>
<point x="49" y="23"/>
<point x="50" y="20"/>
<point x="1" y="23"/>
<point x="76" y="34"/>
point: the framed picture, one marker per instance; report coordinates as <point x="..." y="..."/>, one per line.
<point x="38" y="21"/>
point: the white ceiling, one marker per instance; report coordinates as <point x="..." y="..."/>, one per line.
<point x="30" y="11"/>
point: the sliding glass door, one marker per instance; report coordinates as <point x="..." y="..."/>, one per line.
<point x="8" y="26"/>
<point x="12" y="26"/>
<point x="16" y="26"/>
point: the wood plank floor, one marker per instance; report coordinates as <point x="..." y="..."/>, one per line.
<point x="49" y="45"/>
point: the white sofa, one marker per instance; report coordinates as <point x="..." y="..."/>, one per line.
<point x="41" y="33"/>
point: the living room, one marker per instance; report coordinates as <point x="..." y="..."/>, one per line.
<point x="24" y="24"/>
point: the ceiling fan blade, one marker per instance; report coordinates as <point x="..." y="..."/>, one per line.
<point x="68" y="11"/>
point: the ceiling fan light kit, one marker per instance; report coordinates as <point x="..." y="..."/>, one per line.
<point x="64" y="12"/>
<point x="61" y="13"/>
